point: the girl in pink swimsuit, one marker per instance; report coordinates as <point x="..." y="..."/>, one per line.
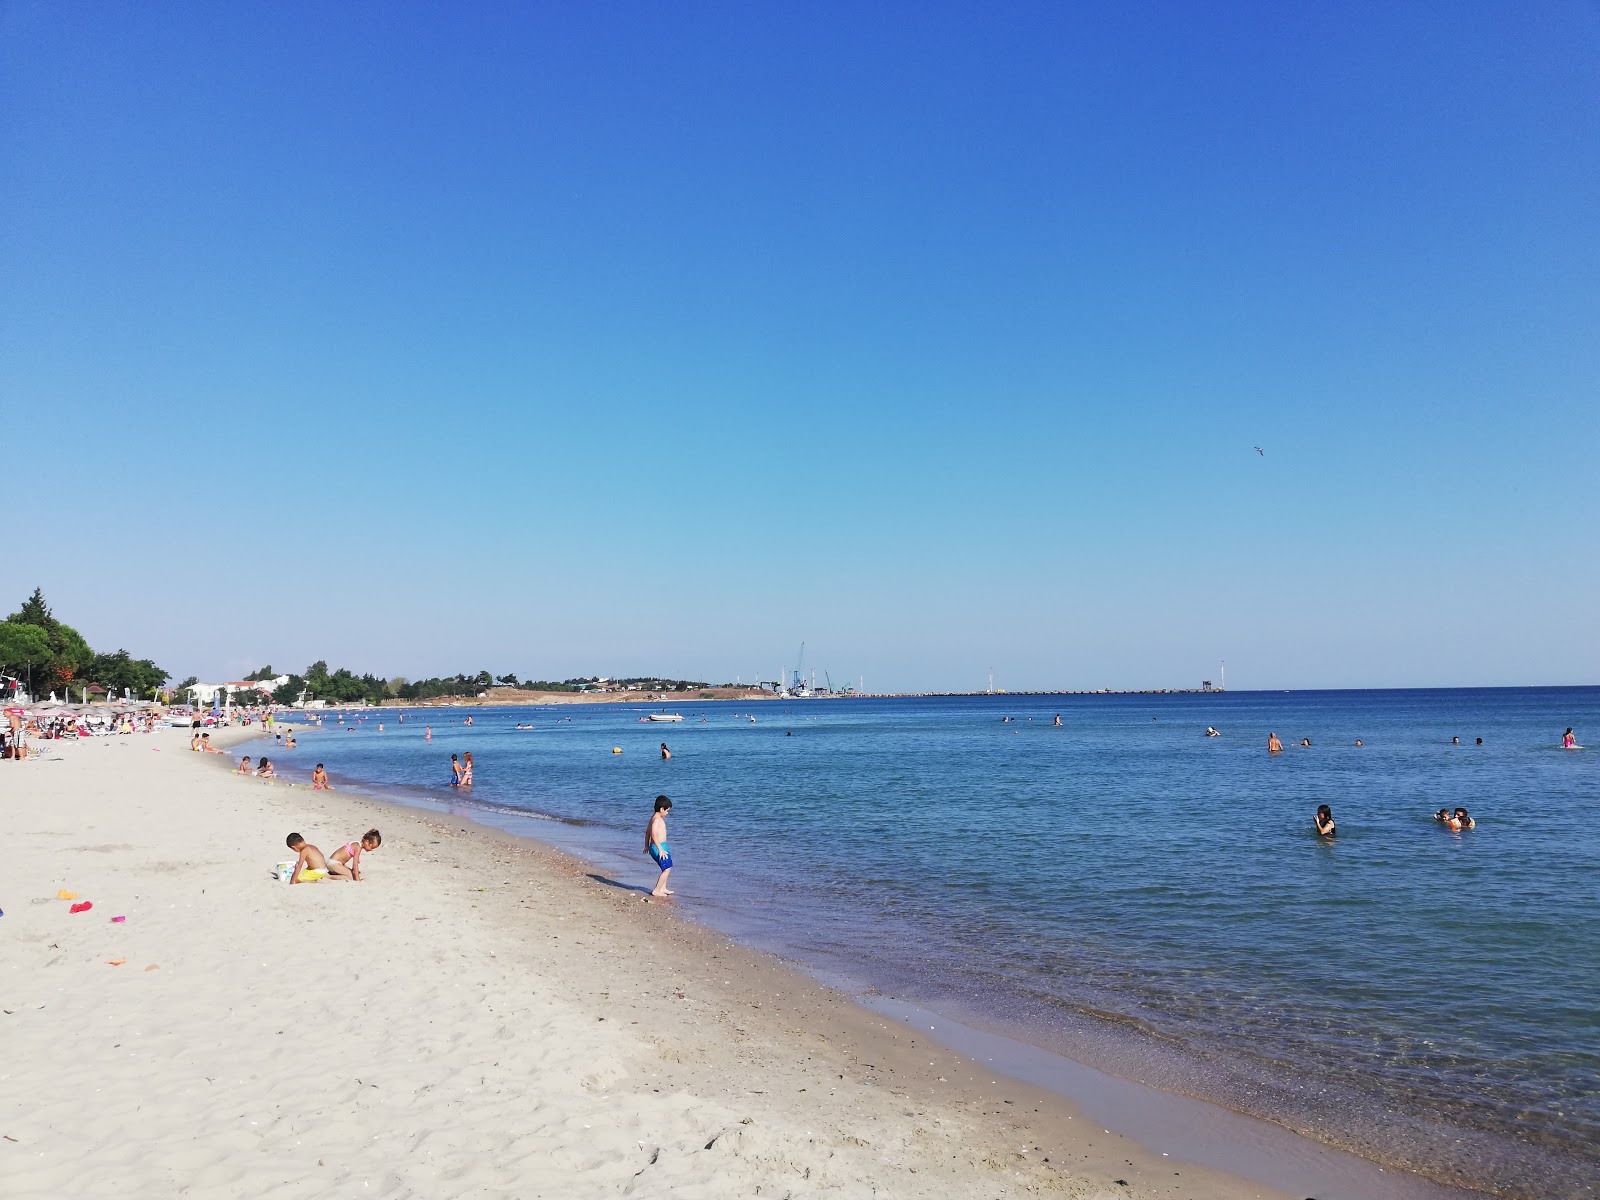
<point x="346" y="860"/>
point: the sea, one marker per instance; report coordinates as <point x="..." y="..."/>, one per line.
<point x="1123" y="889"/>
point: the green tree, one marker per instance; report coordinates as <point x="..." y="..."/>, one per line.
<point x="34" y="611"/>
<point x="264" y="673"/>
<point x="23" y="647"/>
<point x="189" y="682"/>
<point x="114" y="672"/>
<point x="69" y="653"/>
<point x="317" y="680"/>
<point x="289" y="693"/>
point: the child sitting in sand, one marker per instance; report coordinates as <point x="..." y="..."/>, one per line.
<point x="311" y="866"/>
<point x="346" y="860"/>
<point x="265" y="771"/>
<point x="244" y="766"/>
<point x="319" y="779"/>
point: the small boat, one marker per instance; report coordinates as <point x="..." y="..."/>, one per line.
<point x="665" y="717"/>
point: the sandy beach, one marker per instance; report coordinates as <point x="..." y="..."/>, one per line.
<point x="480" y="1016"/>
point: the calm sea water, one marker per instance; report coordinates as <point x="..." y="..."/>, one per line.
<point x="1131" y="891"/>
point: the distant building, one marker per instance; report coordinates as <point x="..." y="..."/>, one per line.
<point x="201" y="694"/>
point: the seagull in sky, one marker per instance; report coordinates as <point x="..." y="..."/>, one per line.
<point x="1261" y="452"/>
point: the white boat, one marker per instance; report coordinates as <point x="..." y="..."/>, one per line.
<point x="664" y="717"/>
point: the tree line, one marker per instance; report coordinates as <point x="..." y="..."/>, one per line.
<point x="344" y="686"/>
<point x="47" y="655"/>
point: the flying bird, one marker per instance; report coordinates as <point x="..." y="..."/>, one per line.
<point x="1261" y="452"/>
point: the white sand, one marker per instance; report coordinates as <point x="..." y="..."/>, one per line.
<point x="476" y="1019"/>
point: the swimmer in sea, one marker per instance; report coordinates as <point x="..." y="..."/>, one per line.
<point x="1463" y="820"/>
<point x="1212" y="731"/>
<point x="665" y="753"/>
<point x="1274" y="746"/>
<point x="1358" y="741"/>
<point x="1568" y="741"/>
<point x="1455" y="741"/>
<point x="1325" y="825"/>
<point x="1442" y="815"/>
<point x="1479" y="742"/>
<point x="1057" y="721"/>
<point x="1305" y="741"/>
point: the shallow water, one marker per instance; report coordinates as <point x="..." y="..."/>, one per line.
<point x="1133" y="892"/>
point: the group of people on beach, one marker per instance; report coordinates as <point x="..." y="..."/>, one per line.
<point x="312" y="865"/>
<point x="461" y="770"/>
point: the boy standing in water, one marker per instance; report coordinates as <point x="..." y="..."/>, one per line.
<point x="655" y="844"/>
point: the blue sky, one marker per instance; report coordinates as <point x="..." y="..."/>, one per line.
<point x="623" y="337"/>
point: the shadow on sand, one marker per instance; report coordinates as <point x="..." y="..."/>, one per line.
<point x="617" y="883"/>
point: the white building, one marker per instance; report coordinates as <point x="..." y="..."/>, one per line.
<point x="202" y="694"/>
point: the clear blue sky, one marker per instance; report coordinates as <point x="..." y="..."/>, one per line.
<point x="660" y="337"/>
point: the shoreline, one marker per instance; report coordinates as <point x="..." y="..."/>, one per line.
<point x="1200" y="1130"/>
<point x="483" y="1013"/>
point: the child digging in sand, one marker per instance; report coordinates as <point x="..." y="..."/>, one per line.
<point x="311" y="866"/>
<point x="346" y="860"/>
